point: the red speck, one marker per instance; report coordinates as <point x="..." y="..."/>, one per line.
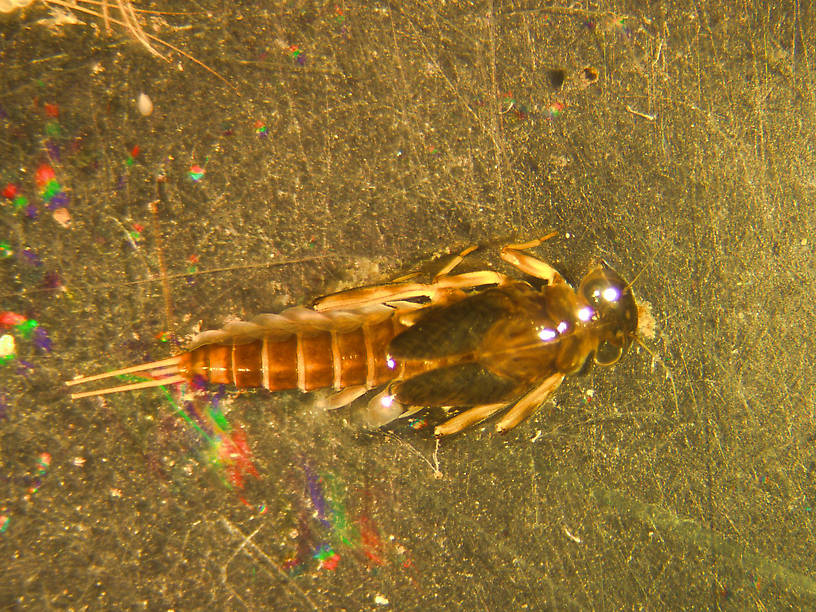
<point x="138" y="227"/>
<point x="245" y="502"/>
<point x="193" y="259"/>
<point x="371" y="543"/>
<point x="236" y="451"/>
<point x="135" y="151"/>
<point x="9" y="319"/>
<point x="52" y="110"/>
<point x="44" y="175"/>
<point x="331" y="562"/>
<point x="292" y="564"/>
<point x="9" y="191"/>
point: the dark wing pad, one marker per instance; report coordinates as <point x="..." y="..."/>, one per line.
<point x="451" y="330"/>
<point x="467" y="384"/>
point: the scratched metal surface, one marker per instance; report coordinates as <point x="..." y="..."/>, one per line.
<point x="351" y="144"/>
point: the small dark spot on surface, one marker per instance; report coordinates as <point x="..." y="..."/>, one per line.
<point x="588" y="76"/>
<point x="556" y="77"/>
<point x="775" y="249"/>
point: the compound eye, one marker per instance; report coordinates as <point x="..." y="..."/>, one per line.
<point x="608" y="353"/>
<point x="601" y="293"/>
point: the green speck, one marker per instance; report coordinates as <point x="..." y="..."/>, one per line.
<point x="26" y="328"/>
<point x="220" y="419"/>
<point x="51" y="189"/>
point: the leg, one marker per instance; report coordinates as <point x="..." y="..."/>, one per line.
<point x="390" y="293"/>
<point x="466" y="419"/>
<point x="514" y="255"/>
<point x="341" y="398"/>
<point x="397" y="290"/>
<point x="454" y="262"/>
<point x="442" y="283"/>
<point x="386" y="294"/>
<point x="527" y="404"/>
<point x="446" y="269"/>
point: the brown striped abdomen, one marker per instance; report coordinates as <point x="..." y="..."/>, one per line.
<point x="304" y="360"/>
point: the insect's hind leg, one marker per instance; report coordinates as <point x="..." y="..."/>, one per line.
<point x="467" y="418"/>
<point x="442" y="285"/>
<point x="514" y="255"/>
<point x="341" y="398"/>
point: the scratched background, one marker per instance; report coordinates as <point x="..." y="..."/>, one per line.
<point x="350" y="142"/>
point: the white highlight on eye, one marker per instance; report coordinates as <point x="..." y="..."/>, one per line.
<point x="585" y="314"/>
<point x="389" y="361"/>
<point x="610" y="294"/>
<point x="562" y="327"/>
<point x="547" y="334"/>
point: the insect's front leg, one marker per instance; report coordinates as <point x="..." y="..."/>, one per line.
<point x="528" y="403"/>
<point x="515" y="256"/>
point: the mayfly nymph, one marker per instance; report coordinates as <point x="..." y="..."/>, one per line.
<point x="477" y="341"/>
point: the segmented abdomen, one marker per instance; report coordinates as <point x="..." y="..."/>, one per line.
<point x="297" y="349"/>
